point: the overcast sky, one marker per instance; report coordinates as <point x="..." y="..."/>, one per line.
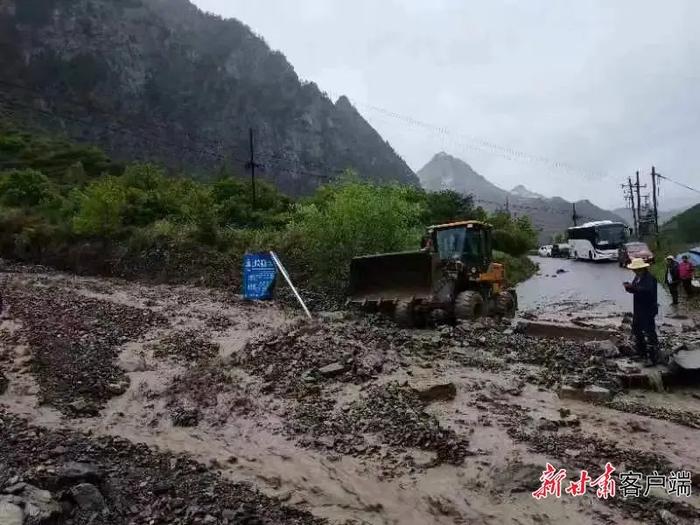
<point x="566" y="97"/>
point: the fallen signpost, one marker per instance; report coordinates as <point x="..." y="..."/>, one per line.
<point x="289" y="282"/>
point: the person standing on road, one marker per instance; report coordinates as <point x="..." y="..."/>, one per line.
<point x="687" y="270"/>
<point x="644" y="289"/>
<point x="673" y="278"/>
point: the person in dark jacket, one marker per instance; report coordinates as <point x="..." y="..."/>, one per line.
<point x="673" y="277"/>
<point x="643" y="287"/>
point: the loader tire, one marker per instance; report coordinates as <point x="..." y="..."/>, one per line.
<point x="505" y="304"/>
<point x="469" y="306"/>
<point x="403" y="314"/>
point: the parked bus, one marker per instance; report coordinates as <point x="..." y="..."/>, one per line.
<point x="597" y="241"/>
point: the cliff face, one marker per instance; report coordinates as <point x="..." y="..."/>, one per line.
<point x="160" y="80"/>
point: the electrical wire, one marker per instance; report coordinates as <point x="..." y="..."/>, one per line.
<point x="279" y="161"/>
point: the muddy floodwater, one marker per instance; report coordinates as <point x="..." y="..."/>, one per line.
<point x="566" y="288"/>
<point x="190" y="405"/>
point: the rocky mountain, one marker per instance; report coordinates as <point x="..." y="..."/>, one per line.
<point x="445" y="172"/>
<point x="550" y="215"/>
<point x="161" y="80"/>
<point x="523" y="192"/>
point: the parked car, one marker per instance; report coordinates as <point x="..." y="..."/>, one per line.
<point x="545" y="251"/>
<point x="560" y="250"/>
<point x="634" y="250"/>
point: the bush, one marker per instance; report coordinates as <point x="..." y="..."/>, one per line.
<point x="518" y="269"/>
<point x="101" y="209"/>
<point x="26" y="188"/>
<point x="350" y="219"/>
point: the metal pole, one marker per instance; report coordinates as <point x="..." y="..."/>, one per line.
<point x="252" y="165"/>
<point x="634" y="212"/>
<point x="289" y="282"/>
<point x="639" y="210"/>
<point x="656" y="211"/>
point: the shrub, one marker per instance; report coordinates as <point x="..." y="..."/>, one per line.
<point x="354" y="218"/>
<point x="101" y="209"/>
<point x="26" y="187"/>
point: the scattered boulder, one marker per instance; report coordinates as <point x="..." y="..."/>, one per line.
<point x="668" y="518"/>
<point x="597" y="393"/>
<point x="517" y="477"/>
<point x="606" y="347"/>
<point x="547" y="425"/>
<point x="436" y="392"/>
<point x="562" y="270"/>
<point x="117" y="389"/>
<point x="569" y="392"/>
<point x="10" y="514"/>
<point x="75" y="472"/>
<point x="333" y="369"/>
<point x="87" y="497"/>
<point x="39" y="505"/>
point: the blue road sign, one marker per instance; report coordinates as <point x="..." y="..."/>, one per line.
<point x="259" y="274"/>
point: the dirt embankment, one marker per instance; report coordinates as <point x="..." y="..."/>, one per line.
<point x="346" y="419"/>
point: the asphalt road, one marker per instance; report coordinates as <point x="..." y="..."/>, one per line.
<point x="588" y="290"/>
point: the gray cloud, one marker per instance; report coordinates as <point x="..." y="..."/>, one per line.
<point x="606" y="87"/>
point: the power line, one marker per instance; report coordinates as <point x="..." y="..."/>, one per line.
<point x="658" y="175"/>
<point x="483" y="145"/>
<point x="269" y="159"/>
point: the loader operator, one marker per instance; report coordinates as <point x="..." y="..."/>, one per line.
<point x="643" y="287"/>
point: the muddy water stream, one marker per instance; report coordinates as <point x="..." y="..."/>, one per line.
<point x="243" y="433"/>
<point x="565" y="289"/>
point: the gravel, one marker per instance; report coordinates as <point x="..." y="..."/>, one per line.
<point x="74" y="342"/>
<point x="395" y="414"/>
<point x="186" y="346"/>
<point x="136" y="483"/>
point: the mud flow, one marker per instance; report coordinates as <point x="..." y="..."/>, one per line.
<point x="128" y="403"/>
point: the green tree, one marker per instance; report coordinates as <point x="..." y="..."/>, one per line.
<point x="101" y="208"/>
<point x="25" y="188"/>
<point x="355" y="218"/>
<point x="447" y="206"/>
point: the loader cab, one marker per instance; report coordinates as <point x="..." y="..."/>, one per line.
<point x="467" y="241"/>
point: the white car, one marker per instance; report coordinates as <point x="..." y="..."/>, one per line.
<point x="545" y="251"/>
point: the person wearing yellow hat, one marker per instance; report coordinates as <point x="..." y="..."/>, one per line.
<point x="673" y="278"/>
<point x="644" y="290"/>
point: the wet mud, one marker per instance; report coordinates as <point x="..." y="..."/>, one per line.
<point x="267" y="418"/>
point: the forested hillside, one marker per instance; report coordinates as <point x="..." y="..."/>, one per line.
<point x="71" y="207"/>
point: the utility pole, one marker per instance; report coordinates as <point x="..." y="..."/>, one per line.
<point x="634" y="211"/>
<point x="639" y="209"/>
<point x="654" y="201"/>
<point x="508" y="206"/>
<point x="252" y="165"/>
<point x="574" y="217"/>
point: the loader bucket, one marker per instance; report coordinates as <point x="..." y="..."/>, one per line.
<point x="389" y="277"/>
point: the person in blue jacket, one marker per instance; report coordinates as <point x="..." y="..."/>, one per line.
<point x="646" y="306"/>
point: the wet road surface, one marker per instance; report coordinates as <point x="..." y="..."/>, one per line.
<point x="583" y="290"/>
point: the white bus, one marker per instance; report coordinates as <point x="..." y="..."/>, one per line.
<point x="597" y="241"/>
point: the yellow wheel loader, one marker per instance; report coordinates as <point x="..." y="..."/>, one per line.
<point x="452" y="276"/>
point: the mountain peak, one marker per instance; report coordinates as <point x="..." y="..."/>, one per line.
<point x="549" y="215"/>
<point x="522" y="191"/>
<point x="447" y="172"/>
